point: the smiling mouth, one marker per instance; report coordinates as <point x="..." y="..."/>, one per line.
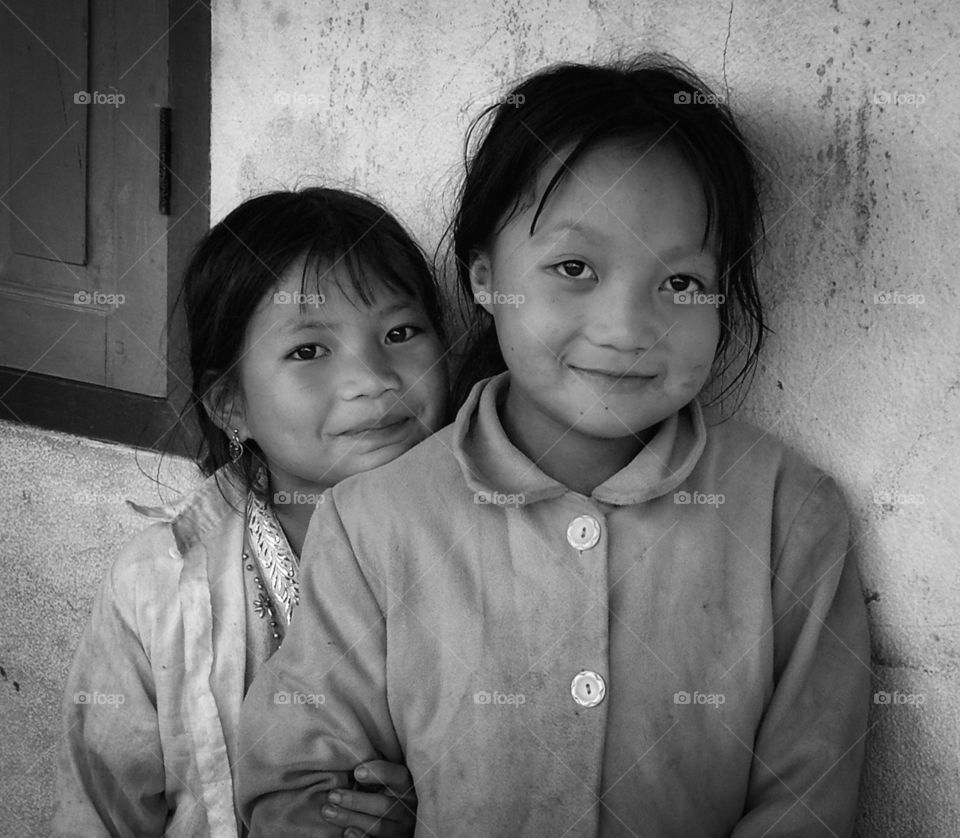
<point x="383" y="426"/>
<point x="613" y="375"/>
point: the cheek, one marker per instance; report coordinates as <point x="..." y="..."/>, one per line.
<point x="533" y="326"/>
<point x="433" y="389"/>
<point x="694" y="352"/>
<point x="510" y="276"/>
<point x="425" y="378"/>
<point x="299" y="405"/>
<point x="701" y="336"/>
<point x="425" y="365"/>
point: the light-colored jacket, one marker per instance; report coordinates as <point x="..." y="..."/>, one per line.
<point x="462" y="597"/>
<point x="152" y="704"/>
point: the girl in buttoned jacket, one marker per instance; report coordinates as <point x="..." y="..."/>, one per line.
<point x="588" y="607"/>
<point x="316" y="352"/>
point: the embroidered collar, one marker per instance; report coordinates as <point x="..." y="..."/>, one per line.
<point x="276" y="561"/>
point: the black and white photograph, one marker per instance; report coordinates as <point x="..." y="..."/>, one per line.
<point x="479" y="420"/>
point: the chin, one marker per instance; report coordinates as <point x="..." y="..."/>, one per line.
<point x="612" y="424"/>
<point x="382" y="456"/>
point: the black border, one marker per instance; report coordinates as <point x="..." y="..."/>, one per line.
<point x="89" y="410"/>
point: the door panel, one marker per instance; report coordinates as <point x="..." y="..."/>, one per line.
<point x="48" y="136"/>
<point x="83" y="247"/>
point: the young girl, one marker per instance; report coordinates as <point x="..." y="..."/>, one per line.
<point x="316" y="352"/>
<point x="585" y="608"/>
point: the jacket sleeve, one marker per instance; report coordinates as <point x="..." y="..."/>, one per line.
<point x="319" y="705"/>
<point x="810" y="744"/>
<point x="110" y="773"/>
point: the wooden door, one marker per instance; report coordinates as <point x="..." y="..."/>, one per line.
<point x="84" y="285"/>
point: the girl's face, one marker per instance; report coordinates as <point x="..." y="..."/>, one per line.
<point x="338" y="387"/>
<point x="607" y="315"/>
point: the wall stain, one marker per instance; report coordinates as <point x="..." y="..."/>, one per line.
<point x="3" y="675"/>
<point x="865" y="197"/>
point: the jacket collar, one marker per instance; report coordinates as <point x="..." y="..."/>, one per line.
<point x="197" y="513"/>
<point x="491" y="463"/>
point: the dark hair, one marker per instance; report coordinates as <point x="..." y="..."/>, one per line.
<point x="241" y="260"/>
<point x="651" y="97"/>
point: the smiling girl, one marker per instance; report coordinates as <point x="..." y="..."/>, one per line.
<point x="316" y="353"/>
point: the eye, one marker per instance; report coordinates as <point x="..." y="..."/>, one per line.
<point x="308" y="352"/>
<point x="401" y="334"/>
<point x="574" y="269"/>
<point x="682" y="282"/>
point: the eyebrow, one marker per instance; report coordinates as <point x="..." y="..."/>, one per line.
<point x="572" y="227"/>
<point x="297" y="326"/>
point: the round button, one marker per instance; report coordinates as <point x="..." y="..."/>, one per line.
<point x="583" y="532"/>
<point x="588" y="688"/>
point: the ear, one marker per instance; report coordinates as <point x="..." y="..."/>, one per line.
<point x="481" y="280"/>
<point x="224" y="404"/>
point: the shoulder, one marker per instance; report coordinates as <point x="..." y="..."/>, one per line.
<point x="770" y="478"/>
<point x="144" y="558"/>
<point x="744" y="454"/>
<point x="136" y="598"/>
<point x="409" y="503"/>
<point x="426" y="471"/>
<point x="144" y="577"/>
<point x="757" y="466"/>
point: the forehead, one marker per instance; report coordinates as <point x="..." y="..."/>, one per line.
<point x="631" y="185"/>
<point x="349" y="278"/>
<point x="324" y="295"/>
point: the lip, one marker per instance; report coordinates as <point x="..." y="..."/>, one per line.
<point x="614" y="375"/>
<point x="606" y="383"/>
<point x="386" y="425"/>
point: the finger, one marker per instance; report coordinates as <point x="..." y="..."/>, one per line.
<point x="374" y="804"/>
<point x="343" y="818"/>
<point x="390" y="775"/>
<point x="361" y="824"/>
<point x="382" y="829"/>
<point x="337" y="779"/>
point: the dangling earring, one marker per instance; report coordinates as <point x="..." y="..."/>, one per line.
<point x="236" y="447"/>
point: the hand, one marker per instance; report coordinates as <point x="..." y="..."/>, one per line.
<point x="384" y="803"/>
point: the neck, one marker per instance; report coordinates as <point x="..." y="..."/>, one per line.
<point x="294" y="520"/>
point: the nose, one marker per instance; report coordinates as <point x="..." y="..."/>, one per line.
<point x="625" y="315"/>
<point x="368" y="373"/>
